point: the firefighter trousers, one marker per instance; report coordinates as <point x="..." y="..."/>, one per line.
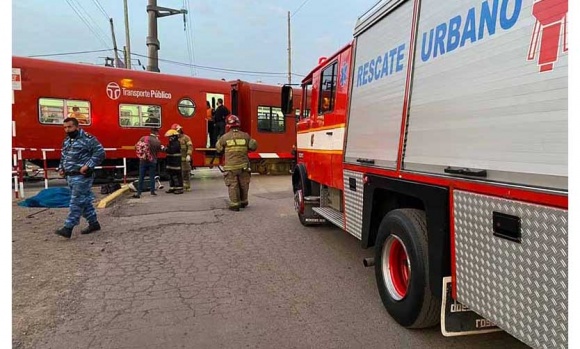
<point x="186" y="174"/>
<point x="175" y="180"/>
<point x="81" y="200"/>
<point x="238" y="183"/>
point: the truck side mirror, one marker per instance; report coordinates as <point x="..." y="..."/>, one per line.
<point x="287" y="102"/>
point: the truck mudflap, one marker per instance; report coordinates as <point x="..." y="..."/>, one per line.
<point x="458" y="320"/>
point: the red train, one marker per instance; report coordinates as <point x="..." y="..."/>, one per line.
<point x="118" y="106"/>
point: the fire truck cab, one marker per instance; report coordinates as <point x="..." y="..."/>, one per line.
<point x="438" y="137"/>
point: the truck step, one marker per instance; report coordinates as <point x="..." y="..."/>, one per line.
<point x="312" y="199"/>
<point x="331" y="215"/>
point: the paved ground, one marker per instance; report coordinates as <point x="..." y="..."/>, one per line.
<point x="179" y="271"/>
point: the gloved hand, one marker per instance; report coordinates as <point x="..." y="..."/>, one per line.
<point x="188" y="158"/>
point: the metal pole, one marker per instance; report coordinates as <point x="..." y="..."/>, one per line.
<point x="114" y="44"/>
<point x="152" y="40"/>
<point x="21" y="169"/>
<point x="124" y="170"/>
<point x="289" y="53"/>
<point x="45" y="168"/>
<point x="127" y="38"/>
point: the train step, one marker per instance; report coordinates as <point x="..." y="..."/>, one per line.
<point x="331" y="215"/>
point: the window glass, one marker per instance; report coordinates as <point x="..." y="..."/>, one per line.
<point x="186" y="107"/>
<point x="328" y="89"/>
<point x="54" y="111"/>
<point x="306" y="99"/>
<point x="271" y="119"/>
<point x="139" y="115"/>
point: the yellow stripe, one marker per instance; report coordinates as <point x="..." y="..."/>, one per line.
<point x="331" y="127"/>
<point x="321" y="151"/>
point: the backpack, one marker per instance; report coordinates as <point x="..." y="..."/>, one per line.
<point x="143" y="150"/>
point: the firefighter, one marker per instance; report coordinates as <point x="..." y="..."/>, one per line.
<point x="173" y="162"/>
<point x="81" y="152"/>
<point x="186" y="151"/>
<point x="235" y="144"/>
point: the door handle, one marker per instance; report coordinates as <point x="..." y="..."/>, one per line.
<point x="329" y="133"/>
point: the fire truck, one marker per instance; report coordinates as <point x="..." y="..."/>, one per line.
<point x="118" y="106"/>
<point x="438" y="137"/>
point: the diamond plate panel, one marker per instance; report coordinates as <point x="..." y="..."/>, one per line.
<point x="522" y="287"/>
<point x="353" y="203"/>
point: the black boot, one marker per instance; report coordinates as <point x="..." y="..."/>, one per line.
<point x="64" y="232"/>
<point x="234" y="208"/>
<point x="244" y="205"/>
<point x="91" y="228"/>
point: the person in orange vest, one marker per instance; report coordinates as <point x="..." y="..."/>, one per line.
<point x="210" y="125"/>
<point x="76" y="113"/>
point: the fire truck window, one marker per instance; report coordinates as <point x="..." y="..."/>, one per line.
<point x="271" y="119"/>
<point x="307" y="92"/>
<point x="138" y="115"/>
<point x="327" y="89"/>
<point x="186" y="107"/>
<point x="54" y="111"/>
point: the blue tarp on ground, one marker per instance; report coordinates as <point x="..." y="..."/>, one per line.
<point x="51" y="197"/>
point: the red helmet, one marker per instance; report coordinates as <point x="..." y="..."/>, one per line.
<point x="176" y="127"/>
<point x="232" y="121"/>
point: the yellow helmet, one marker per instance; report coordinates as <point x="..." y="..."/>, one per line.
<point x="171" y="132"/>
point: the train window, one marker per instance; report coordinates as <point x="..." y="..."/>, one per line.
<point x="54" y="111"/>
<point x="328" y="89"/>
<point x="186" y="107"/>
<point x="270" y="119"/>
<point x="139" y="115"/>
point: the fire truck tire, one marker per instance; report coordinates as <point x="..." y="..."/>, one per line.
<point x="402" y="269"/>
<point x="301" y="189"/>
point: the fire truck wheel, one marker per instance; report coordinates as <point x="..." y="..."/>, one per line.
<point x="299" y="204"/>
<point x="301" y="190"/>
<point x="402" y="269"/>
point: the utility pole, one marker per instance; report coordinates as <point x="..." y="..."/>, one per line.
<point x="289" y="53"/>
<point x="117" y="65"/>
<point x="154" y="12"/>
<point x="127" y="38"/>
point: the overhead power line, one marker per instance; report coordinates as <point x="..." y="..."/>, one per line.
<point x="100" y="7"/>
<point x="84" y="20"/>
<point x="221" y="70"/>
<point x="299" y="7"/>
<point x="68" y="53"/>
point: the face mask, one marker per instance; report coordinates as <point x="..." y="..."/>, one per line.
<point x="73" y="134"/>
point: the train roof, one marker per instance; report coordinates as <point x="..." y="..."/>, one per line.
<point x="56" y="66"/>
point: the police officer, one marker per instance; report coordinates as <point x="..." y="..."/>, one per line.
<point x="235" y="144"/>
<point x="81" y="152"/>
<point x="186" y="151"/>
<point x="173" y="163"/>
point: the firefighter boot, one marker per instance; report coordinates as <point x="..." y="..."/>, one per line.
<point x="244" y="205"/>
<point x="64" y="232"/>
<point x="91" y="228"/>
<point x="170" y="190"/>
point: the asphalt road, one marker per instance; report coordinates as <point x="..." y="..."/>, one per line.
<point x="180" y="271"/>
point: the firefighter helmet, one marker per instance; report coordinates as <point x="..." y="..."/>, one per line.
<point x="233" y="121"/>
<point x="176" y="127"/>
<point x="171" y="132"/>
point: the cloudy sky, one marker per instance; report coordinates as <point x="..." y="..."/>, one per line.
<point x="243" y="35"/>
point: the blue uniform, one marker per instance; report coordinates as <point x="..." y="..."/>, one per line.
<point x="77" y="152"/>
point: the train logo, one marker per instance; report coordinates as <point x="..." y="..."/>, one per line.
<point x="551" y="26"/>
<point x="113" y="90"/>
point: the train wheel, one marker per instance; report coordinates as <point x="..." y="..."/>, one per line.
<point x="402" y="269"/>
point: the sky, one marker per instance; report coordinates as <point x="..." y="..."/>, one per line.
<point x="244" y="35"/>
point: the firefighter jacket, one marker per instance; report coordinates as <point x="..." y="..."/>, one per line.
<point x="186" y="146"/>
<point x="82" y="150"/>
<point x="173" y="151"/>
<point x="235" y="144"/>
